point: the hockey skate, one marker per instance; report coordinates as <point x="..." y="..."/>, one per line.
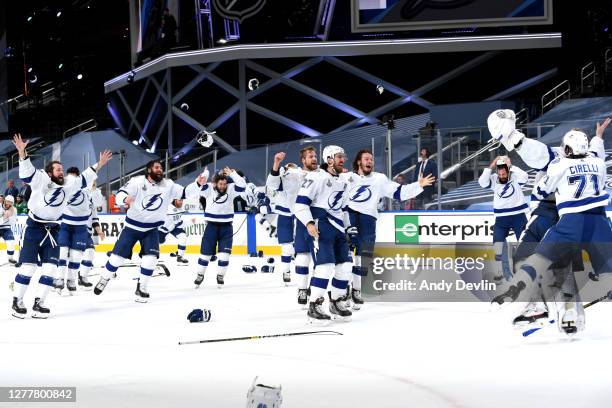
<point x="570" y="315"/>
<point x="181" y="261"/>
<point x="100" y="286"/>
<point x="71" y="286"/>
<point x="198" y="280"/>
<point x="58" y="285"/>
<point x="141" y="295"/>
<point x="510" y="295"/>
<point x="220" y="281"/>
<point x="19" y="310"/>
<point x="316" y="315"/>
<point x="287" y="278"/>
<point x="84" y="283"/>
<point x="339" y="309"/>
<point x="302" y="296"/>
<point x="535" y="313"/>
<point x="39" y="311"/>
<point x="356" y="299"/>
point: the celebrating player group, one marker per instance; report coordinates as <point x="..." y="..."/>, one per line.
<point x="325" y="223"/>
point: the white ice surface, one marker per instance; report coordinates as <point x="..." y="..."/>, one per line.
<point x="119" y="353"/>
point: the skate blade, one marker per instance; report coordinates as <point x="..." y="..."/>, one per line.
<point x="356" y="306"/>
<point x="341" y="319"/>
<point x="319" y="322"/>
<point x="219" y="286"/>
<point x="86" y="289"/>
<point x="141" y="300"/>
<point x="18" y="315"/>
<point x="38" y="315"/>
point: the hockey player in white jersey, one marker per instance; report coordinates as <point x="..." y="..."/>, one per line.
<point x="578" y="181"/>
<point x="292" y="237"/>
<point x="258" y="203"/>
<point x="8" y="219"/>
<point x="365" y="189"/>
<point x="509" y="204"/>
<point x="173" y="225"/>
<point x="73" y="237"/>
<point x="93" y="225"/>
<point x="319" y="206"/>
<point x="219" y="216"/>
<point x="50" y="195"/>
<point x="148" y="198"/>
<point x="544" y="212"/>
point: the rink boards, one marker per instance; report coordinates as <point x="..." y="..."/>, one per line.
<point x="401" y="228"/>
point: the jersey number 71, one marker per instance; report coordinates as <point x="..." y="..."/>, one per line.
<point x="581" y="180"/>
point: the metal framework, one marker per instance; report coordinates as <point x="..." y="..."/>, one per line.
<point x="204" y="63"/>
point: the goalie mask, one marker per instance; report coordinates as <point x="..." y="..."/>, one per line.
<point x="205" y="138"/>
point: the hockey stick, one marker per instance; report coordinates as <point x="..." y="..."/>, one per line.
<point x="181" y="343"/>
<point x="604" y="297"/>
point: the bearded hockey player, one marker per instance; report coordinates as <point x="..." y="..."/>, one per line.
<point x="219" y="216"/>
<point x="50" y="195"/>
<point x="148" y="198"/>
<point x="509" y="204"/>
<point x="319" y="207"/>
<point x="285" y="182"/>
<point x="365" y="189"/>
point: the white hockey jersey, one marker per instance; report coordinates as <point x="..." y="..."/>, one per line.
<point x="219" y="207"/>
<point x="8" y="218"/>
<point x="48" y="200"/>
<point x="322" y="195"/>
<point x="78" y="210"/>
<point x="365" y="192"/>
<point x="93" y="218"/>
<point x="578" y="184"/>
<point x="285" y="188"/>
<point x="151" y="201"/>
<point x="508" y="199"/>
<point x="538" y="156"/>
<point x="174" y="219"/>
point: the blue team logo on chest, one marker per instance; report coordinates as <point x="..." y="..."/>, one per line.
<point x="55" y="198"/>
<point x="221" y="198"/>
<point x="507" y="191"/>
<point x="360" y="194"/>
<point x="77" y="199"/>
<point x="152" y="202"/>
<point x="335" y="200"/>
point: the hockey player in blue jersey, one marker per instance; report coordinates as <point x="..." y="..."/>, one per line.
<point x="50" y="195"/>
<point x="285" y="183"/>
<point x="148" y="197"/>
<point x="320" y="207"/>
<point x="8" y="218"/>
<point x="219" y="216"/>
<point x="365" y="189"/>
<point x="73" y="237"/>
<point x="173" y="225"/>
<point x="577" y="179"/>
<point x="509" y="204"/>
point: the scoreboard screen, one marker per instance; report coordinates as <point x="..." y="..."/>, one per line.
<point x="400" y="15"/>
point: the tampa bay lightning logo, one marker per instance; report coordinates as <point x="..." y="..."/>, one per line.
<point x="360" y="194"/>
<point x="221" y="198"/>
<point x="335" y="200"/>
<point x="77" y="199"/>
<point x="152" y="202"/>
<point x="55" y="198"/>
<point x="507" y="191"/>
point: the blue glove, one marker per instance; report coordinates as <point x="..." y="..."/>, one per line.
<point x="199" y="315"/>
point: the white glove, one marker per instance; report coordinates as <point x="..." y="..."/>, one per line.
<point x="501" y="124"/>
<point x="515" y="138"/>
<point x="263" y="210"/>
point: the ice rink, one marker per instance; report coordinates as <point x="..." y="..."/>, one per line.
<point x="119" y="353"/>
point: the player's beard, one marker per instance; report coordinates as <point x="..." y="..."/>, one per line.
<point x="503" y="180"/>
<point x="156" y="177"/>
<point x="311" y="166"/>
<point x="366" y="170"/>
<point x="58" y="180"/>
